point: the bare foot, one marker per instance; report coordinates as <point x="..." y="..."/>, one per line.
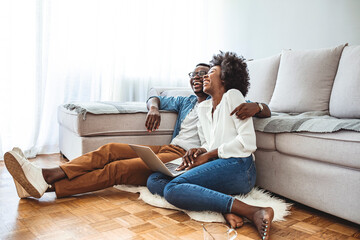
<point x="262" y="220"/>
<point x="234" y="220"/>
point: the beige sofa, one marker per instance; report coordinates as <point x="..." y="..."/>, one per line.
<point x="311" y="156"/>
<point x="84" y="127"/>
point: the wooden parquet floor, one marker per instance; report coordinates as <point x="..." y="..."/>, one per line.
<point x="112" y="214"/>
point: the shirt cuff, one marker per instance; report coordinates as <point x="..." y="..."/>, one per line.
<point x="221" y="153"/>
<point x="152" y="97"/>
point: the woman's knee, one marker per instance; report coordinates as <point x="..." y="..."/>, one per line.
<point x="154" y="185"/>
<point x="174" y="189"/>
<point x="169" y="194"/>
<point x="151" y="182"/>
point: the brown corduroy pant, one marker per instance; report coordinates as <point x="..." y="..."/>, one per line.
<point x="111" y="164"/>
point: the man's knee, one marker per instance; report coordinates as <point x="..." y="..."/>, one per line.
<point x="105" y="147"/>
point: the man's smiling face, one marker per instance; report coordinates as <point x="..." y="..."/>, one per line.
<point x="196" y="81"/>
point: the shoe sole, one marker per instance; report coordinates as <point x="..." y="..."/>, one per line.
<point x="20" y="190"/>
<point x="18" y="174"/>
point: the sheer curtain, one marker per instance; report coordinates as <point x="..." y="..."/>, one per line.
<point x="57" y="51"/>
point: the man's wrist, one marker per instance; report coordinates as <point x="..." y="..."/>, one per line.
<point x="260" y="106"/>
<point x="154" y="108"/>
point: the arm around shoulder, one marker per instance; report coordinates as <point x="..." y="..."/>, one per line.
<point x="264" y="111"/>
<point x="251" y="109"/>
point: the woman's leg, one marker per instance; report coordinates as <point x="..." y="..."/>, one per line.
<point x="156" y="183"/>
<point x="207" y="186"/>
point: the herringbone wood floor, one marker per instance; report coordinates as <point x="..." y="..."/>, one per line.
<point x="112" y="214"/>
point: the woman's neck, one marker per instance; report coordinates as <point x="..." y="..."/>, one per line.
<point x="216" y="98"/>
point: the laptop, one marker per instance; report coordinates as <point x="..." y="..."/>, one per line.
<point x="155" y="164"/>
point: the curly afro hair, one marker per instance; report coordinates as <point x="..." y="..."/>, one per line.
<point x="234" y="72"/>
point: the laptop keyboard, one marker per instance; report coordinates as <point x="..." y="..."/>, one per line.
<point x="172" y="168"/>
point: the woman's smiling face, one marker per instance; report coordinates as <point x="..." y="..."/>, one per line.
<point x="212" y="80"/>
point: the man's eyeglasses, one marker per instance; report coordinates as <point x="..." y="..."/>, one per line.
<point x="200" y="74"/>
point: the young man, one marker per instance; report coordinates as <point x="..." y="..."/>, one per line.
<point x="117" y="163"/>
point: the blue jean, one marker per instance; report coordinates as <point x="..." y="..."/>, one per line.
<point x="207" y="187"/>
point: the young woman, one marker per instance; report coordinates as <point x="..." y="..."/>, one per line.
<point x="224" y="165"/>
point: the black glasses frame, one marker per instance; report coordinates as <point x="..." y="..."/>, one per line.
<point x="200" y="74"/>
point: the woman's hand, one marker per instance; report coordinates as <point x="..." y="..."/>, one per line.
<point x="199" y="156"/>
<point x="190" y="157"/>
<point x="201" y="159"/>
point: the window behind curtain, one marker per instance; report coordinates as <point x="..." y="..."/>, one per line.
<point x="55" y="51"/>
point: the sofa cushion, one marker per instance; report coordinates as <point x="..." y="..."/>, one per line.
<point x="345" y="95"/>
<point x="73" y="146"/>
<point x="265" y="141"/>
<point x="327" y="187"/>
<point x="305" y="80"/>
<point x="340" y="148"/>
<point x="125" y="124"/>
<point x="263" y="74"/>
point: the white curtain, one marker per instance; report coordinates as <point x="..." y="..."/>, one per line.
<point x="57" y="51"/>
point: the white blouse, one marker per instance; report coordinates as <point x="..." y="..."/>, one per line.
<point x="231" y="136"/>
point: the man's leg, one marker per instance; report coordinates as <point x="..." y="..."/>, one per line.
<point x="127" y="171"/>
<point x="91" y="161"/>
<point x="32" y="178"/>
<point x="99" y="158"/>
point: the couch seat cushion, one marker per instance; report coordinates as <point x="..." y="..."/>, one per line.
<point x="340" y="148"/>
<point x="265" y="141"/>
<point x="124" y="124"/>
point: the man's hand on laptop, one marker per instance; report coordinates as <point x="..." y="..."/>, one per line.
<point x="153" y="119"/>
<point x="192" y="158"/>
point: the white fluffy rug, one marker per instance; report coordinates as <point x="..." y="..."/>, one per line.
<point x="257" y="197"/>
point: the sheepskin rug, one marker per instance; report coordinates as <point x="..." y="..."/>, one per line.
<point x="256" y="196"/>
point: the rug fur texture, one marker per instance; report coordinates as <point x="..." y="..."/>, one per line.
<point x="256" y="197"/>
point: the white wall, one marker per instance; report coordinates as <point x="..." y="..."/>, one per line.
<point x="261" y="28"/>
